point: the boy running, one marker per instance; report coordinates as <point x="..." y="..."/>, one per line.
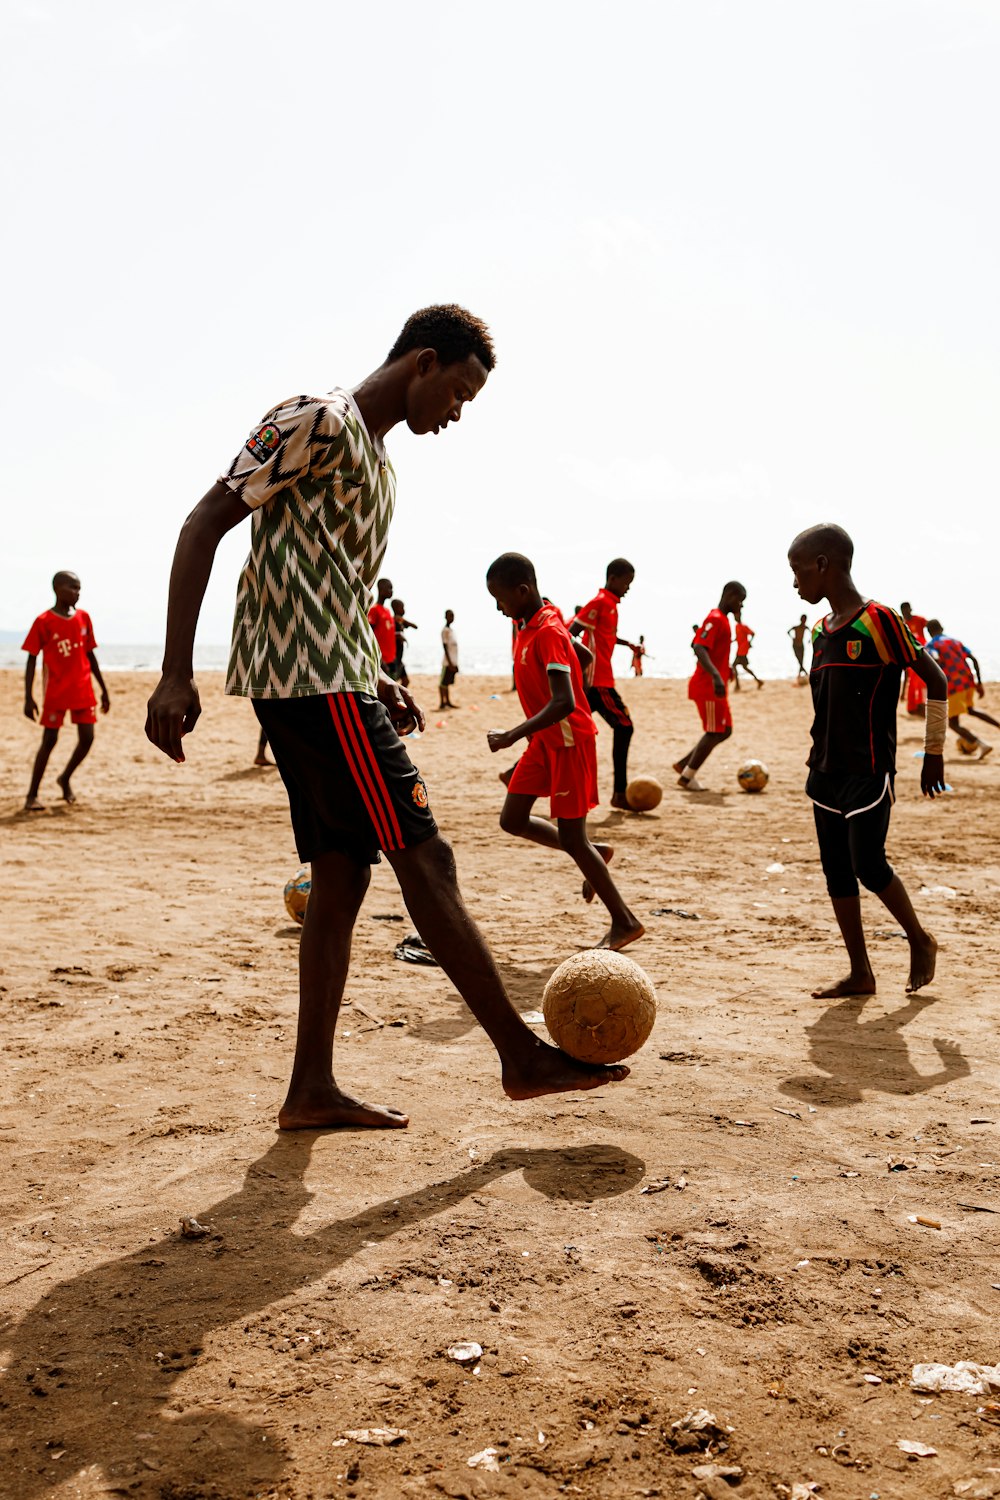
<point x="744" y="638"/>
<point x="402" y="625"/>
<point x="798" y="635"/>
<point x="65" y="637"/>
<point x="561" y="759"/>
<point x="383" y="626"/>
<point x="317" y="480"/>
<point x="598" y="623"/>
<point x="859" y="652"/>
<point x="916" y="694"/>
<point x="953" y="658"/>
<point x="707" y="687"/>
<point x="449" y="661"/>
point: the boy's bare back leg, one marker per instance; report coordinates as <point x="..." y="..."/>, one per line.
<point x="923" y="947"/>
<point x="314" y="1101"/>
<point x="530" y="1067"/>
<point x="84" y="744"/>
<point x="625" y="925"/>
<point x="861" y="980"/>
<point x="31" y="802"/>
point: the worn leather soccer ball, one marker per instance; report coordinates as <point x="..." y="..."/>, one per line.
<point x="599" y="1006"/>
<point x="297" y="894"/>
<point x="753" y="776"/>
<point x="644" y="793"/>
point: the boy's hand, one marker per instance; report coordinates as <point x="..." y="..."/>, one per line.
<point x="30" y="708"/>
<point x="980" y="690"/>
<point x="932" y="775"/>
<point x="720" y="686"/>
<point x="403" y="711"/>
<point x="105" y="701"/>
<point x="499" y="739"/>
<point x="172" y="711"/>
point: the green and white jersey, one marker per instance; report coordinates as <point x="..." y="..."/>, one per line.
<point x="322" y="497"/>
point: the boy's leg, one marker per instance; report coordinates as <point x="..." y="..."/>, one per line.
<point x="260" y="759"/>
<point x="85" y="739"/>
<point x="977" y="713"/>
<point x="835" y="856"/>
<point x="593" y="866"/>
<point x="516" y="819"/>
<point x="49" y="737"/>
<point x="606" y="703"/>
<point x="698" y="756"/>
<point x="314" y="1102"/>
<point x="867" y="834"/>
<point x="955" y="724"/>
<point x="530" y="1067"/>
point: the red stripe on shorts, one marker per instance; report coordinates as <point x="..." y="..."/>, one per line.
<point x="358" y="771"/>
<point x="377" y="769"/>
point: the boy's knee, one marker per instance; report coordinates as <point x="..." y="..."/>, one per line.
<point x="49" y="737"/>
<point x="874" y="873"/>
<point x="726" y="733"/>
<point x="571" y="835"/>
<point x="510" y="821"/>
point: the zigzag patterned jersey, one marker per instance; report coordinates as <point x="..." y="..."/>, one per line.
<point x="322" y="498"/>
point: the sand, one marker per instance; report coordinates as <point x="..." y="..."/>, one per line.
<point x="148" y="1003"/>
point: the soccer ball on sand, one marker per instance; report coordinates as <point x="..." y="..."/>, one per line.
<point x="599" y="1006"/>
<point x="297" y="894"/>
<point x="643" y="794"/>
<point x="968" y="747"/>
<point x="752" y="776"/>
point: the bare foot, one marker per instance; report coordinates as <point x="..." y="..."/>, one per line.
<point x="607" y="853"/>
<point x="64" y="785"/>
<point x="262" y="760"/>
<point x="617" y="938"/>
<point x="328" y="1109"/>
<point x="32" y="805"/>
<point x="548" y="1071"/>
<point x="620" y="801"/>
<point x="854" y="984"/>
<point x="923" y="959"/>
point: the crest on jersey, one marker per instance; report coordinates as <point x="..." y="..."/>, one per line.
<point x="419" y="794"/>
<point x="264" y="442"/>
<point x="854" y="649"/>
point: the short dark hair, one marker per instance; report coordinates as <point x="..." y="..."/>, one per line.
<point x="734" y="587"/>
<point x="618" y="567"/>
<point x="827" y="540"/>
<point x="66" y="573"/>
<point x="453" y="333"/>
<point x="935" y="627"/>
<point x="510" y="569"/>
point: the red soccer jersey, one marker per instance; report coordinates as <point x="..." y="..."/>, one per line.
<point x="383" y="623"/>
<point x="544" y="642"/>
<point x="64" y="641"/>
<point x="744" y="635"/>
<point x="918" y="628"/>
<point x="716" y="636"/>
<point x="599" y="619"/>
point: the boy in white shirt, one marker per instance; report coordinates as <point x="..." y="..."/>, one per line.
<point x="449" y="665"/>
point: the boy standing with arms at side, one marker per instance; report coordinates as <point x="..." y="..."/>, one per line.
<point x="561" y="759"/>
<point x="707" y="687"/>
<point x="798" y="635"/>
<point x="859" y="652"/>
<point x="449" y="661"/>
<point x="65" y="637"/>
<point x="598" y="623"/>
<point x="953" y="658"/>
<point x="383" y="624"/>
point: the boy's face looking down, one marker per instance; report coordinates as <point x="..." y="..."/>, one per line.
<point x="619" y="583"/>
<point x="436" y="393"/>
<point x="809" y="571"/>
<point x="514" y="600"/>
<point x="732" y="600"/>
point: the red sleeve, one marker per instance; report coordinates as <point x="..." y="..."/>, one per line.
<point x="89" y="641"/>
<point x="707" y="634"/>
<point x="554" y="647"/>
<point x="36" y="637"/>
<point x="590" y="614"/>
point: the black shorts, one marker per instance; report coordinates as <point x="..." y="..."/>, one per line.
<point x="606" y="702"/>
<point x="393" y="669"/>
<point x="352" y="788"/>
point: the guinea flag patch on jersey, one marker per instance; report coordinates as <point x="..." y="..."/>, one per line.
<point x="854" y="649"/>
<point x="264" y="442"/>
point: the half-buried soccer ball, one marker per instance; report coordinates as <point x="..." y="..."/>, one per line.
<point x="599" y="1006"/>
<point x="297" y="894"/>
<point x="643" y="794"/>
<point x="753" y="776"/>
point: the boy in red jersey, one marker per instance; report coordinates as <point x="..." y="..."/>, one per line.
<point x="65" y="637"/>
<point x="859" y="651"/>
<point x="383" y="624"/>
<point x="916" y="694"/>
<point x="953" y="658"/>
<point x="707" y="687"/>
<point x="744" y="637"/>
<point x="561" y="759"/>
<point x="598" y="623"/>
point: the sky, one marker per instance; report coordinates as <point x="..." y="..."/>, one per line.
<point x="740" y="261"/>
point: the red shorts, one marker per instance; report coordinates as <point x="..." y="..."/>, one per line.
<point x="567" y="775"/>
<point x="916" y="693"/>
<point x="52" y="718"/>
<point x="715" y="715"/>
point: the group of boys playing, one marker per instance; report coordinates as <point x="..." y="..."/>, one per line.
<point x="334" y="718"/>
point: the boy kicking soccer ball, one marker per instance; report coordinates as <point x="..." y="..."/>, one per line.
<point x="561" y="759"/>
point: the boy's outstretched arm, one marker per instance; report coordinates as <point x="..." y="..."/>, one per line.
<point x="174" y="707"/>
<point x="559" y="706"/>
<point x="932" y="765"/>
<point x="980" y="690"/>
<point x="30" y="706"/>
<point x="95" y="669"/>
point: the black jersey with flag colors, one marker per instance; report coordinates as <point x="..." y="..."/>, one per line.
<point x="855" y="685"/>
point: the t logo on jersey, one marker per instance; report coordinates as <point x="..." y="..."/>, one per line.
<point x="264" y="442"/>
<point x="854" y="649"/>
<point x="65" y="647"/>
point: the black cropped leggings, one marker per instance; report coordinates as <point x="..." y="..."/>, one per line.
<point x="853" y="849"/>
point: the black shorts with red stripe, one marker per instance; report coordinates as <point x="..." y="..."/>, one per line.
<point x="352" y="788"/>
<point x="606" y="702"/>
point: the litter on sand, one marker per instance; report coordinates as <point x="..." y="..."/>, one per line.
<point x="413" y="950"/>
<point x="676" y="911"/>
<point x="465" y="1354"/>
<point x="374" y="1437"/>
<point x="486" y="1459"/>
<point x="964" y="1377"/>
<point x="916" y="1450"/>
<point x="192" y="1230"/>
<point x="919" y="1219"/>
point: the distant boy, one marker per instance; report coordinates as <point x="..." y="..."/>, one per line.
<point x="638" y="653"/>
<point x="402" y="624"/>
<point x="798" y="635"/>
<point x="449" y="660"/>
<point x="915" y="692"/>
<point x="859" y="652"/>
<point x="65" y="637"/>
<point x="598" y="623"/>
<point x="953" y="658"/>
<point x="744" y="638"/>
<point x="707" y="687"/>
<point x="561" y="759"/>
<point x="383" y="626"/>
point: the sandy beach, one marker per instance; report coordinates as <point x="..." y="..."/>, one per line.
<point x="148" y="994"/>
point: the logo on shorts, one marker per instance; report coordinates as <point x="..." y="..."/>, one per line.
<point x="264" y="442"/>
<point x="854" y="649"/>
<point x="419" y="794"/>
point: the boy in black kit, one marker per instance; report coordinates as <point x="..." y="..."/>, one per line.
<point x="859" y="651"/>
